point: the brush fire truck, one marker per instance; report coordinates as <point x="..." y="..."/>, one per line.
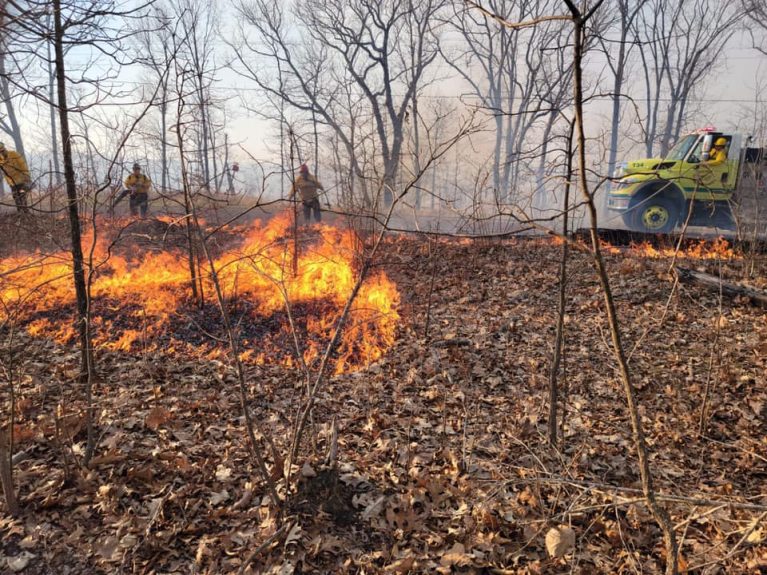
<point x="658" y="194"/>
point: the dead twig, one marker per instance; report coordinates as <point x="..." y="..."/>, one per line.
<point x="612" y="489"/>
<point x="276" y="535"/>
<point x="746" y="534"/>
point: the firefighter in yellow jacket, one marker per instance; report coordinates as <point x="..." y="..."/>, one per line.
<point x="307" y="186"/>
<point x="16" y="173"/>
<point x="137" y="186"/>
<point x="718" y="154"/>
<point x="714" y="170"/>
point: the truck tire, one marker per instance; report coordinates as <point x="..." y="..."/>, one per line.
<point x="654" y="215"/>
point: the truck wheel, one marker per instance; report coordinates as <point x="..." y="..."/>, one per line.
<point x="658" y="215"/>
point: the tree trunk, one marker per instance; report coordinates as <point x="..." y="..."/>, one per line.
<point x="506" y="193"/>
<point x="213" y="147"/>
<point x="191" y="259"/>
<point x="316" y="144"/>
<point x="658" y="512"/>
<point x="81" y="293"/>
<point x="282" y="147"/>
<point x="417" y="150"/>
<point x="18" y="142"/>
<point x="540" y="177"/>
<point x="5" y="93"/>
<point x="559" y="337"/>
<point x="6" y="475"/>
<point x="54" y="132"/>
<point x="668" y="129"/>
<point x="10" y="110"/>
<point x="616" y="115"/>
<point x="204" y="121"/>
<point x="164" y="142"/>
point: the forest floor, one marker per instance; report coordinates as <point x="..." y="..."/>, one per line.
<point x="443" y="460"/>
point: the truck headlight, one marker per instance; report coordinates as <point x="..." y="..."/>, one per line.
<point x="618" y="202"/>
<point x="627" y="181"/>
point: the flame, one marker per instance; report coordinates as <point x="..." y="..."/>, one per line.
<point x="142" y="302"/>
<point x="719" y="249"/>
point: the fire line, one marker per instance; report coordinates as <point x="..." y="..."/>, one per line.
<point x="142" y="302"/>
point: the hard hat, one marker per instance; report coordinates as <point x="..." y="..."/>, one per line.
<point x="304" y="169"/>
<point x="136" y="166"/>
<point x="720" y="142"/>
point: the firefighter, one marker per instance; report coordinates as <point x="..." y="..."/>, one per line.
<point x="16" y="173"/>
<point x="137" y="186"/>
<point x="307" y="186"/>
<point x="718" y="154"/>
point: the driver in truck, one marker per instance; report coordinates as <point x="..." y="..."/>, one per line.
<point x="718" y="154"/>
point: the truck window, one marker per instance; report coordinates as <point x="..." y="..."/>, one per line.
<point x="679" y="151"/>
<point x="697" y="153"/>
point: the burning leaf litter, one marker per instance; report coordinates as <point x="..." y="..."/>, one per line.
<point x="442" y="460"/>
<point x="141" y="299"/>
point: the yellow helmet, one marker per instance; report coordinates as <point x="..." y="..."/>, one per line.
<point x="720" y="142"/>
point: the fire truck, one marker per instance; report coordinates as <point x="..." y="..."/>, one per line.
<point x="658" y="194"/>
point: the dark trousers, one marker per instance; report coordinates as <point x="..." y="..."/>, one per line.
<point x="139" y="202"/>
<point x="312" y="206"/>
<point x="20" y="197"/>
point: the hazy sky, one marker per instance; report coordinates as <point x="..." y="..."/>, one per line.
<point x="726" y="101"/>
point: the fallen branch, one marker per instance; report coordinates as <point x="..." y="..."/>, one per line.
<point x="615" y="489"/>
<point x="727" y="288"/>
<point x="751" y="528"/>
<point x="276" y="535"/>
<point x="454" y="342"/>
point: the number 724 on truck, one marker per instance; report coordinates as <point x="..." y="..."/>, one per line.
<point x="702" y="181"/>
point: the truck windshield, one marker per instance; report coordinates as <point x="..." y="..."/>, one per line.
<point x="679" y="151"/>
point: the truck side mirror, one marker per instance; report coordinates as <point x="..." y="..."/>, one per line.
<point x="708" y="142"/>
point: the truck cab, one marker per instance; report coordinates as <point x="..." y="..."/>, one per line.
<point x="657" y="194"/>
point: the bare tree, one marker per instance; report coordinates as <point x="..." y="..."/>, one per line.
<point x="97" y="28"/>
<point x="9" y="368"/>
<point x="53" y="109"/>
<point x="559" y="337"/>
<point x="513" y="64"/>
<point x="580" y="18"/>
<point x="317" y="378"/>
<point x="157" y="50"/>
<point x="198" y="23"/>
<point x="367" y="46"/>
<point x="682" y="43"/>
<point x="756" y="20"/>
<point x="617" y="43"/>
<point x="9" y="122"/>
<point x="555" y="93"/>
<point x="180" y="128"/>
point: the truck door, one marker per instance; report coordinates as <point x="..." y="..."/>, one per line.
<point x="690" y="166"/>
<point x="718" y="177"/>
<point x="707" y="175"/>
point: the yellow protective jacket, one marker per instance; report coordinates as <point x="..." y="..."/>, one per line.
<point x="716" y="157"/>
<point x="138" y="184"/>
<point x="307" y="187"/>
<point x="15" y="169"/>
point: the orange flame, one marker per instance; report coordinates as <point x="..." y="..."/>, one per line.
<point x="719" y="249"/>
<point x="701" y="249"/>
<point x="143" y="302"/>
